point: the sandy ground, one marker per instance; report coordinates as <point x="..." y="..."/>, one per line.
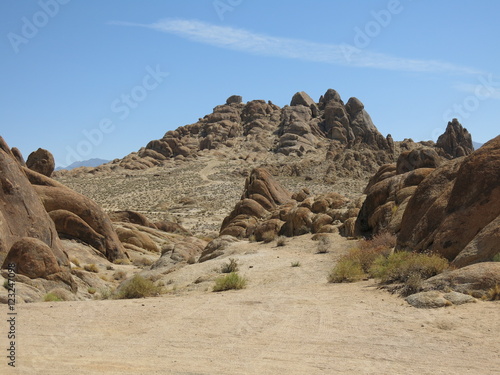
<point x="288" y="320"/>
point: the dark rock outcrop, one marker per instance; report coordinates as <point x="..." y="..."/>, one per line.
<point x="455" y="142"/>
<point x="41" y="161"/>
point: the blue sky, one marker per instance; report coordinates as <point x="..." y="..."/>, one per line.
<point x="91" y="79"/>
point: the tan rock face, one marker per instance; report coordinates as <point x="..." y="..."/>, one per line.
<point x="28" y="236"/>
<point x="33" y="258"/>
<point x="456" y="208"/>
<point x="63" y="198"/>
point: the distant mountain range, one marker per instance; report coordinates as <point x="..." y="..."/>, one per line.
<point x="84" y="163"/>
<point x="477" y="145"/>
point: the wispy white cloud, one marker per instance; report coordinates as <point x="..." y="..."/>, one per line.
<point x="483" y="90"/>
<point x="261" y="44"/>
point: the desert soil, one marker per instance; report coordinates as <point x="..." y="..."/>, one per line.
<point x="288" y="320"/>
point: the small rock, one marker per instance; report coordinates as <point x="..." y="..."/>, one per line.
<point x="428" y="300"/>
<point x="459" y="298"/>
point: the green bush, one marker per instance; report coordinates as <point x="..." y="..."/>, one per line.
<point x="230" y="281"/>
<point x="496" y="258"/>
<point x="296" y="264"/>
<point x="346" y="271"/>
<point x="400" y="266"/>
<point x="51" y="297"/>
<point x="137" y="287"/>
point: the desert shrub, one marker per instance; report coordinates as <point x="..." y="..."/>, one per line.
<point x="231" y="266"/>
<point x="191" y="260"/>
<point x="137" y="287"/>
<point x="142" y="262"/>
<point x="268" y="236"/>
<point x="91" y="268"/>
<point x="493" y="294"/>
<point x="104" y="294"/>
<point x="324" y="245"/>
<point x="496" y="258"/>
<point x="281" y="241"/>
<point x="384" y="240"/>
<point x="296" y="264"/>
<point x="91" y="290"/>
<point x="230" y="281"/>
<point x="412" y="285"/>
<point x="400" y="266"/>
<point x="51" y="297"/>
<point x="365" y="256"/>
<point x="346" y="271"/>
<point x="75" y="261"/>
<point x="121" y="261"/>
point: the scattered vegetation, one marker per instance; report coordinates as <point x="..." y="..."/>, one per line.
<point x="268" y="237"/>
<point x="230" y="281"/>
<point x="51" y="297"/>
<point x="281" y="241"/>
<point x="75" y="261"/>
<point x="296" y="264"/>
<point x="105" y="294"/>
<point x="92" y="290"/>
<point x="324" y="245"/>
<point x="375" y="258"/>
<point x="122" y="261"/>
<point x="496" y="258"/>
<point x="382" y="240"/>
<point x="346" y="271"/>
<point x="91" y="268"/>
<point x="142" y="262"/>
<point x="401" y="266"/>
<point x="230" y="267"/>
<point x="137" y="287"/>
<point x="493" y="294"/>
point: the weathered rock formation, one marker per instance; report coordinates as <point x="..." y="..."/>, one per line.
<point x="341" y="136"/>
<point x="455" y="210"/>
<point x="87" y="216"/>
<point x="266" y="210"/>
<point x="28" y="236"/>
<point x="41" y="161"/>
<point x="455" y="142"/>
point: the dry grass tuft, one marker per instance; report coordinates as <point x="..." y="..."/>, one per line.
<point x="137" y="287"/>
<point x="91" y="268"/>
<point x="346" y="271"/>
<point x="281" y="241"/>
<point x="324" y="245"/>
<point x="230" y="281"/>
<point x="493" y="294"/>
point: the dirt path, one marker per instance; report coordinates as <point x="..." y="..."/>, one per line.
<point x="209" y="169"/>
<point x="287" y="321"/>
